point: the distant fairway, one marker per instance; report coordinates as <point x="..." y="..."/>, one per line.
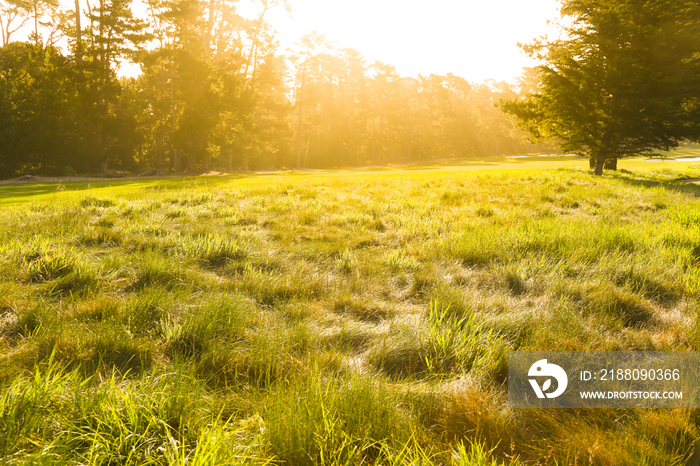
<point x="13" y="193"/>
<point x="339" y="317"/>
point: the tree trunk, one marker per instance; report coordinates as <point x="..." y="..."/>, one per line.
<point x="78" y="36"/>
<point x="160" y="155"/>
<point x="254" y="47"/>
<point x="210" y="28"/>
<point x="301" y="116"/>
<point x="175" y="150"/>
<point x="306" y="154"/>
<point x="176" y="160"/>
<point x="599" y="164"/>
<point x="229" y="160"/>
<point x="191" y="162"/>
<point x="206" y="161"/>
<point x="610" y="163"/>
<point x="36" y="23"/>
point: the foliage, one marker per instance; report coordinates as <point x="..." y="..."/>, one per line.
<point x="622" y="80"/>
<point x="215" y="93"/>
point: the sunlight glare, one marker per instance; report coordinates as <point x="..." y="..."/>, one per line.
<point x="474" y="39"/>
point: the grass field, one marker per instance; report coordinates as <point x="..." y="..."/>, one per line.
<point x="339" y="318"/>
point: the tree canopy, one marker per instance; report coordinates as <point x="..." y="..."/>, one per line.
<point x="215" y="92"/>
<point x="623" y="79"/>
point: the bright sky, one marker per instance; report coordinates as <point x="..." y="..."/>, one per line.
<point x="476" y="39"/>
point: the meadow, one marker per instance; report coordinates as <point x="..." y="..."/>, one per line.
<point x="339" y="318"/>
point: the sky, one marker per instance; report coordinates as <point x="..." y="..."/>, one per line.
<point x="475" y="39"/>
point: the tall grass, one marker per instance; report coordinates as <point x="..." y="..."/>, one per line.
<point x="214" y="249"/>
<point x="355" y="320"/>
<point x="319" y="420"/>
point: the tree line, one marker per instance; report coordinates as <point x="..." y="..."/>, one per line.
<point x="215" y="92"/>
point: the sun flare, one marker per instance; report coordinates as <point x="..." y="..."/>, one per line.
<point x="473" y="39"/>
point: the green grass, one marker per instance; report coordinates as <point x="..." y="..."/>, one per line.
<point x="339" y="318"/>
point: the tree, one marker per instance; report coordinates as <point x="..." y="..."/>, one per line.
<point x="13" y="15"/>
<point x="214" y="93"/>
<point x="39" y="111"/>
<point x="112" y="34"/>
<point x="39" y="10"/>
<point x="310" y="43"/>
<point x="624" y="79"/>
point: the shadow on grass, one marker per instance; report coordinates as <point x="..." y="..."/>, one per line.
<point x="17" y="193"/>
<point x="23" y="192"/>
<point x="679" y="184"/>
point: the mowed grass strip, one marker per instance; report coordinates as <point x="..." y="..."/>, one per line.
<point x="323" y="319"/>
